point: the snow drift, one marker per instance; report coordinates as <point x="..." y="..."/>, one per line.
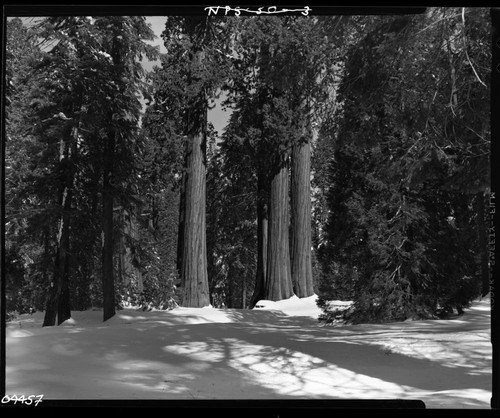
<point x="276" y="351"/>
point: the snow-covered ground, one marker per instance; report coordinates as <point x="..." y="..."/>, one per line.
<point x="276" y="351"/>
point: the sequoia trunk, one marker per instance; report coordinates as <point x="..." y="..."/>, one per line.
<point x="194" y="276"/>
<point x="278" y="275"/>
<point x="301" y="265"/>
<point x="182" y="217"/>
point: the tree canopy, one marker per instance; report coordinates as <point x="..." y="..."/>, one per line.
<point x="355" y="163"/>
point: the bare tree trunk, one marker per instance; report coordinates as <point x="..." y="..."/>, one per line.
<point x="182" y="218"/>
<point x="244" y="293"/>
<point x="108" y="285"/>
<point x="278" y="277"/>
<point x="230" y="287"/>
<point x="63" y="306"/>
<point x="58" y="303"/>
<point x="58" y="306"/>
<point x="194" y="276"/>
<point x="212" y="231"/>
<point x="301" y="264"/>
<point x="123" y="278"/>
<point x="50" y="316"/>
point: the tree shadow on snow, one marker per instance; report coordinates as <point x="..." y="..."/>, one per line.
<point x="258" y="355"/>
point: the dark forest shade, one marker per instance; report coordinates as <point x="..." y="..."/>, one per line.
<point x="58" y="304"/>
<point x="402" y="113"/>
<point x="108" y="285"/>
<point x="262" y="237"/>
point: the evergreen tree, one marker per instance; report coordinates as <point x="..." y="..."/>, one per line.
<point x="124" y="42"/>
<point x="311" y="74"/>
<point x="153" y="278"/>
<point x="231" y="220"/>
<point x="283" y="67"/>
<point x="246" y="164"/>
<point x="256" y="91"/>
<point x="27" y="261"/>
<point x="401" y="229"/>
<point x="85" y="103"/>
<point x="194" y="58"/>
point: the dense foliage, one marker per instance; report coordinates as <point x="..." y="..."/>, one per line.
<point x="410" y="160"/>
<point x="99" y="159"/>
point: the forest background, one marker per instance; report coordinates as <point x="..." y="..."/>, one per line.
<point x="355" y="164"/>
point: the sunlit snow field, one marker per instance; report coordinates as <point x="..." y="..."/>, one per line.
<point x="277" y="351"/>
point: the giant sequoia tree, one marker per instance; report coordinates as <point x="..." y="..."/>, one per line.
<point x="311" y="76"/>
<point x="195" y="55"/>
<point x="400" y="165"/>
<point x="283" y="70"/>
<point x="262" y="105"/>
